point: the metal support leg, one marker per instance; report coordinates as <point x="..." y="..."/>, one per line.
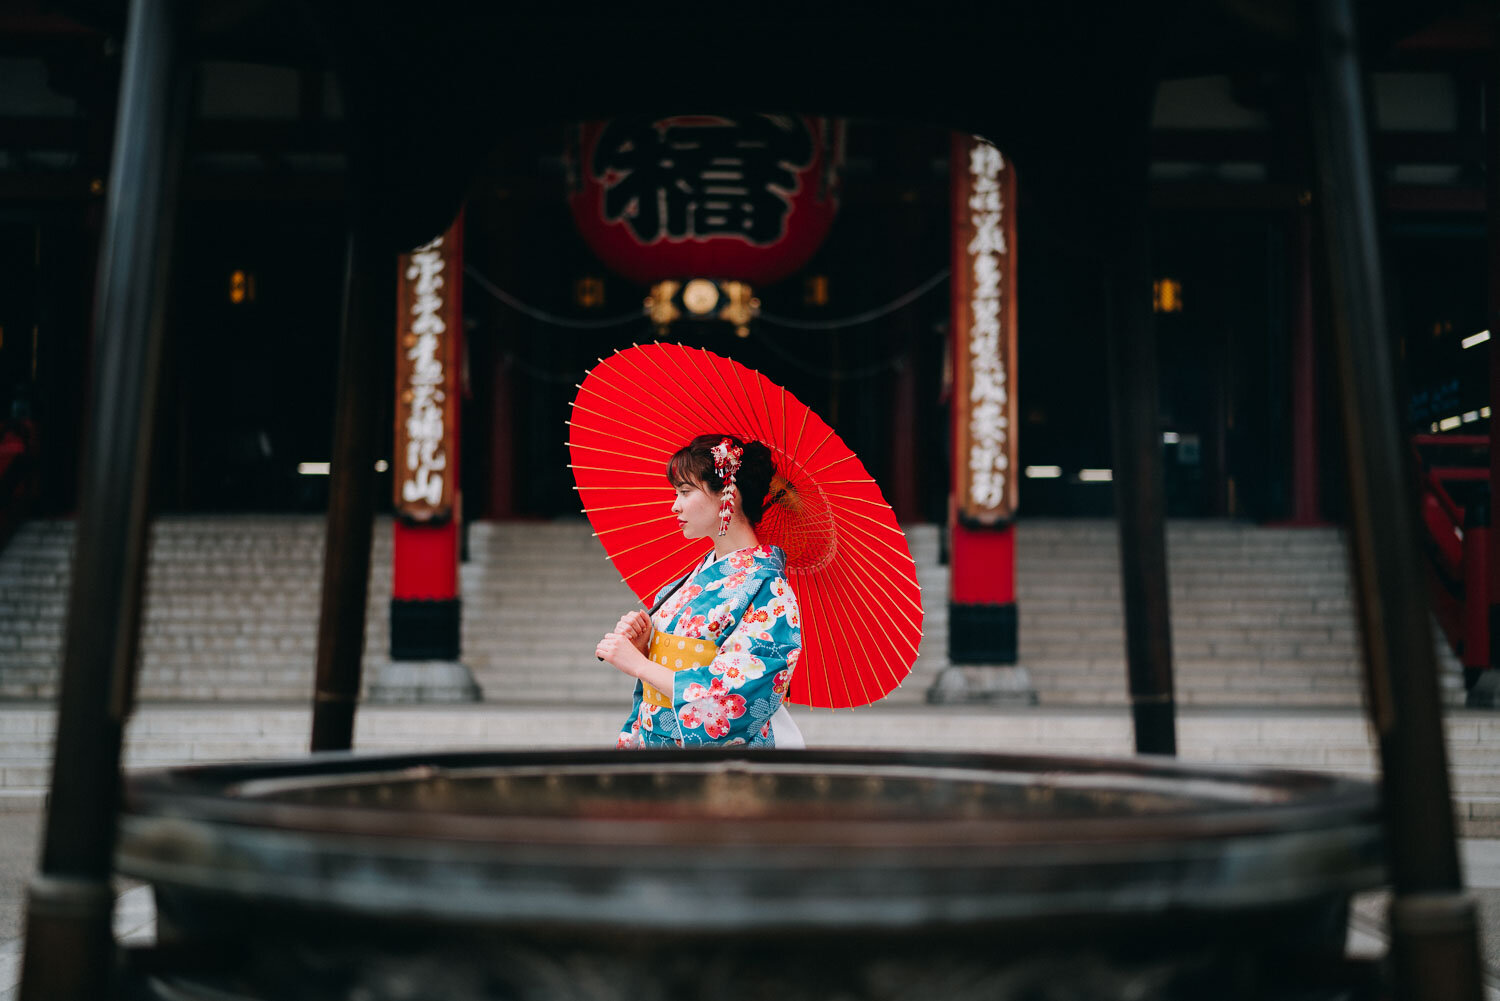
<point x="69" y="948"/>
<point x="1139" y="500"/>
<point x="1433" y="935"/>
<point x="369" y="313"/>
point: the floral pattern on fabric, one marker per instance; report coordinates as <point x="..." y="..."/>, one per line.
<point x="744" y="604"/>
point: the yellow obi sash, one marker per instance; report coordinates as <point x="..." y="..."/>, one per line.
<point x="676" y="653"/>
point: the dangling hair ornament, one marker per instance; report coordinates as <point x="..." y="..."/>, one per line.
<point x="727" y="457"/>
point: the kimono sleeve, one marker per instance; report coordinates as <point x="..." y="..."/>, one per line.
<point x="731" y="699"/>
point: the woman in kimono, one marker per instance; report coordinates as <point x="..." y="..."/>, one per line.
<point x="714" y="661"/>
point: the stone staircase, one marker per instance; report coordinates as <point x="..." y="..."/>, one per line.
<point x="1261" y="617"/>
<point x="1265" y="641"/>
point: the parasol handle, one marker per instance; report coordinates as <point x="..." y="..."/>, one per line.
<point x="657" y="607"/>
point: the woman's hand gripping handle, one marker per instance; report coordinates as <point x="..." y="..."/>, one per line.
<point x="635" y="628"/>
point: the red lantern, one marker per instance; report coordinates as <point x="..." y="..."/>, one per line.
<point x="745" y="197"/>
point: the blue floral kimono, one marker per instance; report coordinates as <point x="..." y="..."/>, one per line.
<point x="732" y="634"/>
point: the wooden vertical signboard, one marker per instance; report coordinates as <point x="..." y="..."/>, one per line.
<point x="982" y="615"/>
<point x="430" y="319"/>
<point x="984" y="333"/>
<point x="425" y="606"/>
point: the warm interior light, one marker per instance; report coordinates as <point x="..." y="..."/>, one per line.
<point x="815" y="291"/>
<point x="241" y="287"/>
<point x="700" y="296"/>
<point x="1166" y="296"/>
<point x="313" y="468"/>
<point x="1095" y="475"/>
<point x="1474" y="339"/>
<point x="1449" y="423"/>
<point x="1484" y="411"/>
<point x="1043" y="472"/>
<point x="381" y="465"/>
<point x="588" y="292"/>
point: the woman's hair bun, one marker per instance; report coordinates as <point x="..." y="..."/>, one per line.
<point x="695" y="461"/>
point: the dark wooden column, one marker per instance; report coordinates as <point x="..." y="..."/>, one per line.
<point x="1140" y="501"/>
<point x="1484" y="692"/>
<point x="69" y="947"/>
<point x="364" y="343"/>
<point x="1306" y="506"/>
<point x="1433" y="939"/>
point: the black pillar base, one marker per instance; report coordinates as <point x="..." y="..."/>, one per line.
<point x="982" y="634"/>
<point x="1485" y="692"/>
<point x="425" y="630"/>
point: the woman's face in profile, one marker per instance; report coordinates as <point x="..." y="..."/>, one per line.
<point x="697" y="510"/>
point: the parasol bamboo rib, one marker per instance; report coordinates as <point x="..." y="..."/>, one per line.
<point x="870" y="537"/>
<point x="661" y="488"/>
<point x="819" y="446"/>
<point x="834" y="585"/>
<point x="633" y="396"/>
<point x="871" y="616"/>
<point x="622" y="507"/>
<point x="706" y="419"/>
<point x="624" y="528"/>
<point x="734" y="399"/>
<point x="872" y="603"/>
<point x="782" y="436"/>
<point x="589" y="410"/>
<point x="664" y="559"/>
<point x="835" y="462"/>
<point x="650" y="356"/>
<point x="819" y="632"/>
<point x="625" y="472"/>
<point x="761" y="416"/>
<point x="613" y="451"/>
<point x="895" y="532"/>
<point x="859" y="562"/>
<point x="728" y="374"/>
<point x="633" y="439"/>
<point x="635" y="400"/>
<point x="857" y="583"/>
<point x="834" y="664"/>
<point x="650" y="542"/>
<point x="875" y="571"/>
<point x="903" y="655"/>
<point x="738" y="425"/>
<point x="806" y="410"/>
<point x="810" y="654"/>
<point x="760" y="384"/>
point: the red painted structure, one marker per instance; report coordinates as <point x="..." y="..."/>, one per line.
<point x="748" y="198"/>
<point x="1458" y="540"/>
<point x="425" y="606"/>
<point x="982" y="616"/>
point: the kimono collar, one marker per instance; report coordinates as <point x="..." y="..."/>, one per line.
<point x="766" y="555"/>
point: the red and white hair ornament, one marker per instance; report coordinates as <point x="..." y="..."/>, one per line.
<point x="727" y="457"/>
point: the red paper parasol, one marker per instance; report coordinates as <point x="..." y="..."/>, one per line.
<point x="847" y="560"/>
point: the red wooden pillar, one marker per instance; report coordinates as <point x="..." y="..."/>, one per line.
<point x="903" y="428"/>
<point x="982" y="620"/>
<point x="502" y="494"/>
<point x="1484" y="686"/>
<point x="1306" y="509"/>
<point x="425" y="603"/>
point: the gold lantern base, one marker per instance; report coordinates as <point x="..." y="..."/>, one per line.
<point x="702" y="299"/>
